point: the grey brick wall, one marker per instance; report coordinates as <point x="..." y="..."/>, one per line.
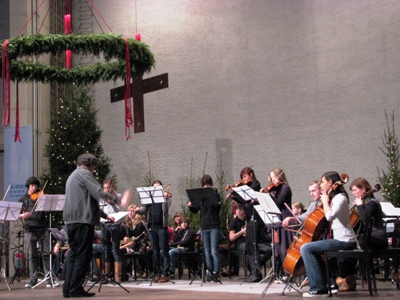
<point x="300" y="85"/>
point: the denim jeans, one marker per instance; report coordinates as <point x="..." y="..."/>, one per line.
<point x="173" y="253"/>
<point x="315" y="265"/>
<point x="210" y="244"/>
<point x="159" y="243"/>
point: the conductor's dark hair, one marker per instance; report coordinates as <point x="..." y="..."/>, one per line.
<point x="88" y="160"/>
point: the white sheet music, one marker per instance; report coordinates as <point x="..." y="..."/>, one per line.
<point x="152" y="193"/>
<point x="9" y="211"/>
<point x="117" y="216"/>
<point x="267" y="218"/>
<point x="246" y="192"/>
<point x="389" y="210"/>
<point x="267" y="203"/>
<point x="50" y="203"/>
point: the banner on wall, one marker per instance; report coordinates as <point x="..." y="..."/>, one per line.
<point x="18" y="162"/>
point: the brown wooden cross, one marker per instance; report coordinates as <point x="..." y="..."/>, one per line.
<point x="139" y="87"/>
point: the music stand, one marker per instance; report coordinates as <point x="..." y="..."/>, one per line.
<point x="9" y="211"/>
<point x="150" y="196"/>
<point x="50" y="203"/>
<point x="199" y="197"/>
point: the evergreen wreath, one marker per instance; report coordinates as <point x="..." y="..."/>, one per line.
<point x="111" y="46"/>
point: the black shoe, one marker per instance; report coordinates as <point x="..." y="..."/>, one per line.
<point x="215" y="277"/>
<point x="334" y="289"/>
<point x="81" y="294"/>
<point x="209" y="277"/>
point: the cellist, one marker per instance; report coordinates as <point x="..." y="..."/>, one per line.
<point x="335" y="203"/>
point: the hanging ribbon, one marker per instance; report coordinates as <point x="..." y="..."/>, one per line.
<point x="127" y="93"/>
<point x="17" y="136"/>
<point x="5" y="75"/>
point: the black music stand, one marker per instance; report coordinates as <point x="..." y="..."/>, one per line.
<point x="50" y="203"/>
<point x="150" y="196"/>
<point x="200" y="197"/>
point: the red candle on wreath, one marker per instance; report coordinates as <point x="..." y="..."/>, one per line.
<point x="67" y="24"/>
<point x="68" y="59"/>
<point x="138" y="36"/>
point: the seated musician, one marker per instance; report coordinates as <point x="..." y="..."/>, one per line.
<point x="336" y="210"/>
<point x="184" y="241"/>
<point x="368" y="208"/>
<point x="60" y="251"/>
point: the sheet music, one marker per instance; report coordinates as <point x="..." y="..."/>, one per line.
<point x="152" y="193"/>
<point x="389" y="210"/>
<point x="50" y="203"/>
<point x="117" y="216"/>
<point x="245" y="192"/>
<point x="267" y="218"/>
<point x="9" y="211"/>
<point x="267" y="203"/>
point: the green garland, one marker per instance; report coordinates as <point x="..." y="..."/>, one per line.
<point x="111" y="46"/>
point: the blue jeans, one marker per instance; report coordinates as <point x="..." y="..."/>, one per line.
<point x="159" y="243"/>
<point x="315" y="265"/>
<point x="172" y="255"/>
<point x="210" y="244"/>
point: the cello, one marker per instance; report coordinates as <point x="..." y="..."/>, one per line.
<point x="313" y="229"/>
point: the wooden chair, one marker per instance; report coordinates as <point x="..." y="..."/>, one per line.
<point x="364" y="257"/>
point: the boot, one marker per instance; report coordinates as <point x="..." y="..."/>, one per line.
<point x="107" y="268"/>
<point x="255" y="275"/>
<point x="118" y="272"/>
<point x="349" y="285"/>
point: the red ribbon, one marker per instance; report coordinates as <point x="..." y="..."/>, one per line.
<point x="127" y="93"/>
<point x="5" y="75"/>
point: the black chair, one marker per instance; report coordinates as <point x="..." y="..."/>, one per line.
<point x="391" y="256"/>
<point x="364" y="256"/>
<point x="135" y="256"/>
<point x="233" y="253"/>
<point x="193" y="260"/>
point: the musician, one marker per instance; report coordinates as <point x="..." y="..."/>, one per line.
<point x="158" y="234"/>
<point x="210" y="231"/>
<point x="184" y="241"/>
<point x="82" y="213"/>
<point x="281" y="193"/>
<point x="335" y="205"/>
<point x="368" y="208"/>
<point x="297" y="208"/>
<point x="112" y="233"/>
<point x="255" y="225"/>
<point x="315" y="194"/>
<point x="35" y="232"/>
<point x="60" y="250"/>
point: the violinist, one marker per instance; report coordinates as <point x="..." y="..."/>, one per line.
<point x="368" y="208"/>
<point x="281" y="193"/>
<point x="35" y="232"/>
<point x="336" y="210"/>
<point x="254" y="228"/>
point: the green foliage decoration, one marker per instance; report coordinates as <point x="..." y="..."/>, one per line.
<point x="390" y="179"/>
<point x="112" y="48"/>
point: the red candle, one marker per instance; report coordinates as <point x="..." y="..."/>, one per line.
<point x="138" y="36"/>
<point x="68" y="59"/>
<point x="67" y="24"/>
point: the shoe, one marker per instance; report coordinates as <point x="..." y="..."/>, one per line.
<point x="81" y="294"/>
<point x="30" y="284"/>
<point x="163" y="279"/>
<point x="311" y="294"/>
<point x="224" y="272"/>
<point x="209" y="277"/>
<point x="215" y="277"/>
<point x="157" y="279"/>
<point x="334" y="289"/>
<point x="55" y="284"/>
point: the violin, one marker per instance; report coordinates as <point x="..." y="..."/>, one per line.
<point x="271" y="187"/>
<point x="35" y="196"/>
<point x="237" y="184"/>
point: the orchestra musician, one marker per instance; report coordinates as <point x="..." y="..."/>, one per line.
<point x="368" y="208"/>
<point x="35" y="226"/>
<point x="281" y="193"/>
<point x="112" y="233"/>
<point x="255" y="225"/>
<point x="336" y="210"/>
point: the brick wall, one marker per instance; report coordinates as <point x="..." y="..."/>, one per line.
<point x="300" y="85"/>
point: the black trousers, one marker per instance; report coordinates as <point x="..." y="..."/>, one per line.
<point x="80" y="239"/>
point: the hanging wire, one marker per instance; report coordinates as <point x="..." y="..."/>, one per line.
<point x="30" y="18"/>
<point x="94" y="6"/>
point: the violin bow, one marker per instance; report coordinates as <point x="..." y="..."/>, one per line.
<point x="5" y="195"/>
<point x="39" y="196"/>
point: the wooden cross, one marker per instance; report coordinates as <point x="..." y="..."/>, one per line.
<point x="139" y="87"/>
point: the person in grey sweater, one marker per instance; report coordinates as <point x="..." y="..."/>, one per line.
<point x="82" y="213"/>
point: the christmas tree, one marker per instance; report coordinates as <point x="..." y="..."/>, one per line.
<point x="390" y="179"/>
<point x="73" y="131"/>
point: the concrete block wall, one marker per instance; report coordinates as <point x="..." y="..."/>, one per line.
<point x="300" y="85"/>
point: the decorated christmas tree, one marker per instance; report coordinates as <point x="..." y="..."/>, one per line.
<point x="390" y="178"/>
<point x="73" y="131"/>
